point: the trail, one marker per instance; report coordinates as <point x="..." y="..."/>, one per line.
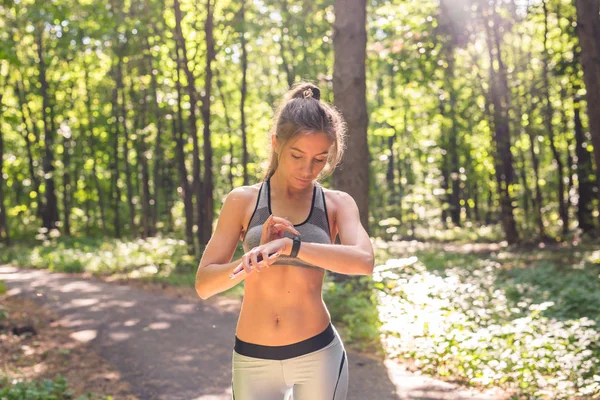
<point x="177" y="349"/>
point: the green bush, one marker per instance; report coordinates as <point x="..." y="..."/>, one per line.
<point x="353" y="305"/>
<point x="500" y="320"/>
<point x="45" y="390"/>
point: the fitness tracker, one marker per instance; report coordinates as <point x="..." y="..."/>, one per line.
<point x="295" y="246"/>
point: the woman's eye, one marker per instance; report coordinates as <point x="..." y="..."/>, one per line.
<point x="319" y="161"/>
<point x="296" y="157"/>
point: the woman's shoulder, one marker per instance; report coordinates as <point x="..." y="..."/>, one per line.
<point x="243" y="194"/>
<point x="338" y="197"/>
<point x="245" y="190"/>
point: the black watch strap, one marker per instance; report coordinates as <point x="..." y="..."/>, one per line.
<point x="295" y="246"/>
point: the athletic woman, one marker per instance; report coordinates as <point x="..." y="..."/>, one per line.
<point x="284" y="341"/>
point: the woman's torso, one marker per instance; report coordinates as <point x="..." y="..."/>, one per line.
<point x="283" y="304"/>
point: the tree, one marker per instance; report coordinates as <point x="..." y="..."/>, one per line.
<point x="349" y="90"/>
<point x="3" y="225"/>
<point x="588" y="30"/>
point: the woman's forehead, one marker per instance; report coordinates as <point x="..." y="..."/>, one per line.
<point x="312" y="142"/>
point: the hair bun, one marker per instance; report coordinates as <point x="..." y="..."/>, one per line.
<point x="308" y="92"/>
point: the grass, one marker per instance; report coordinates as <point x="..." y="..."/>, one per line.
<point x="46" y="389"/>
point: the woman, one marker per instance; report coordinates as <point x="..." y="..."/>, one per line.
<point x="285" y="342"/>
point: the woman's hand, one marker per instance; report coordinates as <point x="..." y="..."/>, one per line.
<point x="250" y="260"/>
<point x="274" y="227"/>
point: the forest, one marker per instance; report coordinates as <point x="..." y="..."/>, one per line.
<point x="129" y="119"/>
<point x="125" y="124"/>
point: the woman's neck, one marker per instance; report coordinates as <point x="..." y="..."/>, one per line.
<point x="281" y="185"/>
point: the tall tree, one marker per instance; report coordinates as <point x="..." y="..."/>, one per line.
<point x="50" y="214"/>
<point x="584" y="176"/>
<point x="349" y="90"/>
<point x="207" y="197"/>
<point x="499" y="95"/>
<point x="548" y="115"/>
<point x="4" y="236"/>
<point x="192" y="119"/>
<point x="588" y="30"/>
<point x="244" y="90"/>
<point x="186" y="189"/>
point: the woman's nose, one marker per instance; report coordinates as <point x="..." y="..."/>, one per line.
<point x="307" y="168"/>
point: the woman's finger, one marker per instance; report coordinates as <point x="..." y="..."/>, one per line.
<point x="254" y="259"/>
<point x="246" y="263"/>
<point x="283" y="227"/>
<point x="265" y="258"/>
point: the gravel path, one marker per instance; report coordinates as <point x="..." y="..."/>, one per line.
<point x="178" y="349"/>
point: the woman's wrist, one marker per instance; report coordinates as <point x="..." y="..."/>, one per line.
<point x="288" y="243"/>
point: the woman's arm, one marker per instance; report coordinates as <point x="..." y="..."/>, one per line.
<point x="355" y="254"/>
<point x="215" y="266"/>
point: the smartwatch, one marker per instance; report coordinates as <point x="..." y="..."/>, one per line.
<point x="296" y="246"/>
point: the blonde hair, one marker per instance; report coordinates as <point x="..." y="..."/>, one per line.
<point x="300" y="111"/>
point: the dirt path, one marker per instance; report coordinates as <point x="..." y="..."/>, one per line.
<point x="170" y="348"/>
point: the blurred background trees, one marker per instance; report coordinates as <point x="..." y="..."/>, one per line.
<point x="136" y="118"/>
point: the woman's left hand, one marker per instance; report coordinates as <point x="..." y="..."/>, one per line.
<point x="268" y="252"/>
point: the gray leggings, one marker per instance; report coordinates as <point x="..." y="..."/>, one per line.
<point x="314" y="369"/>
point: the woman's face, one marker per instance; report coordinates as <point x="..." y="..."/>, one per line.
<point x="303" y="157"/>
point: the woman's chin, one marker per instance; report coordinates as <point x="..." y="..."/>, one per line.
<point x="303" y="182"/>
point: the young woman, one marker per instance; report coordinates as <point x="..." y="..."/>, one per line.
<point x="285" y="342"/>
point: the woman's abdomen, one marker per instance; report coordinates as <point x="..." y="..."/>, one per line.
<point x="276" y="312"/>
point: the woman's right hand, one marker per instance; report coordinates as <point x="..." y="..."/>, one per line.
<point x="250" y="261"/>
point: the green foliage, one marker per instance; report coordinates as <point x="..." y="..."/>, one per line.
<point x="47" y="389"/>
<point x="152" y="257"/>
<point x="353" y="305"/>
<point x="497" y="319"/>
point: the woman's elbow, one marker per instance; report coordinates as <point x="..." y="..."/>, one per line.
<point x="368" y="264"/>
<point x="202" y="293"/>
<point x="201" y="288"/>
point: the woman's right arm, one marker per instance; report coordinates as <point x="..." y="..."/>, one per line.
<point x="215" y="266"/>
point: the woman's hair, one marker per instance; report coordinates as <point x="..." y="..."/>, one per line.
<point x="301" y="111"/>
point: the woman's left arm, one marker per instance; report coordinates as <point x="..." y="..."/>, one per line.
<point x="355" y="254"/>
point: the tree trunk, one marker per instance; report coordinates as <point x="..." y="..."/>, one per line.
<point x="143" y="162"/>
<point x="67" y="144"/>
<point x="93" y="154"/>
<point x="186" y="190"/>
<point x="452" y="147"/>
<point x="244" y="90"/>
<point x="121" y="87"/>
<point x="585" y="206"/>
<point x="115" y="160"/>
<point x="32" y="172"/>
<point x="288" y="65"/>
<point x="588" y="30"/>
<point x="525" y="183"/>
<point x="208" y="201"/>
<point x="349" y="88"/>
<point x="158" y="151"/>
<point x="500" y="101"/>
<point x="4" y="235"/>
<point x="229" y="129"/>
<point x="390" y="173"/>
<point x="548" y="115"/>
<point x="184" y="63"/>
<point x="50" y="214"/>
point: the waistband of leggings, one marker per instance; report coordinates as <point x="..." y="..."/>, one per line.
<point x="309" y="345"/>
